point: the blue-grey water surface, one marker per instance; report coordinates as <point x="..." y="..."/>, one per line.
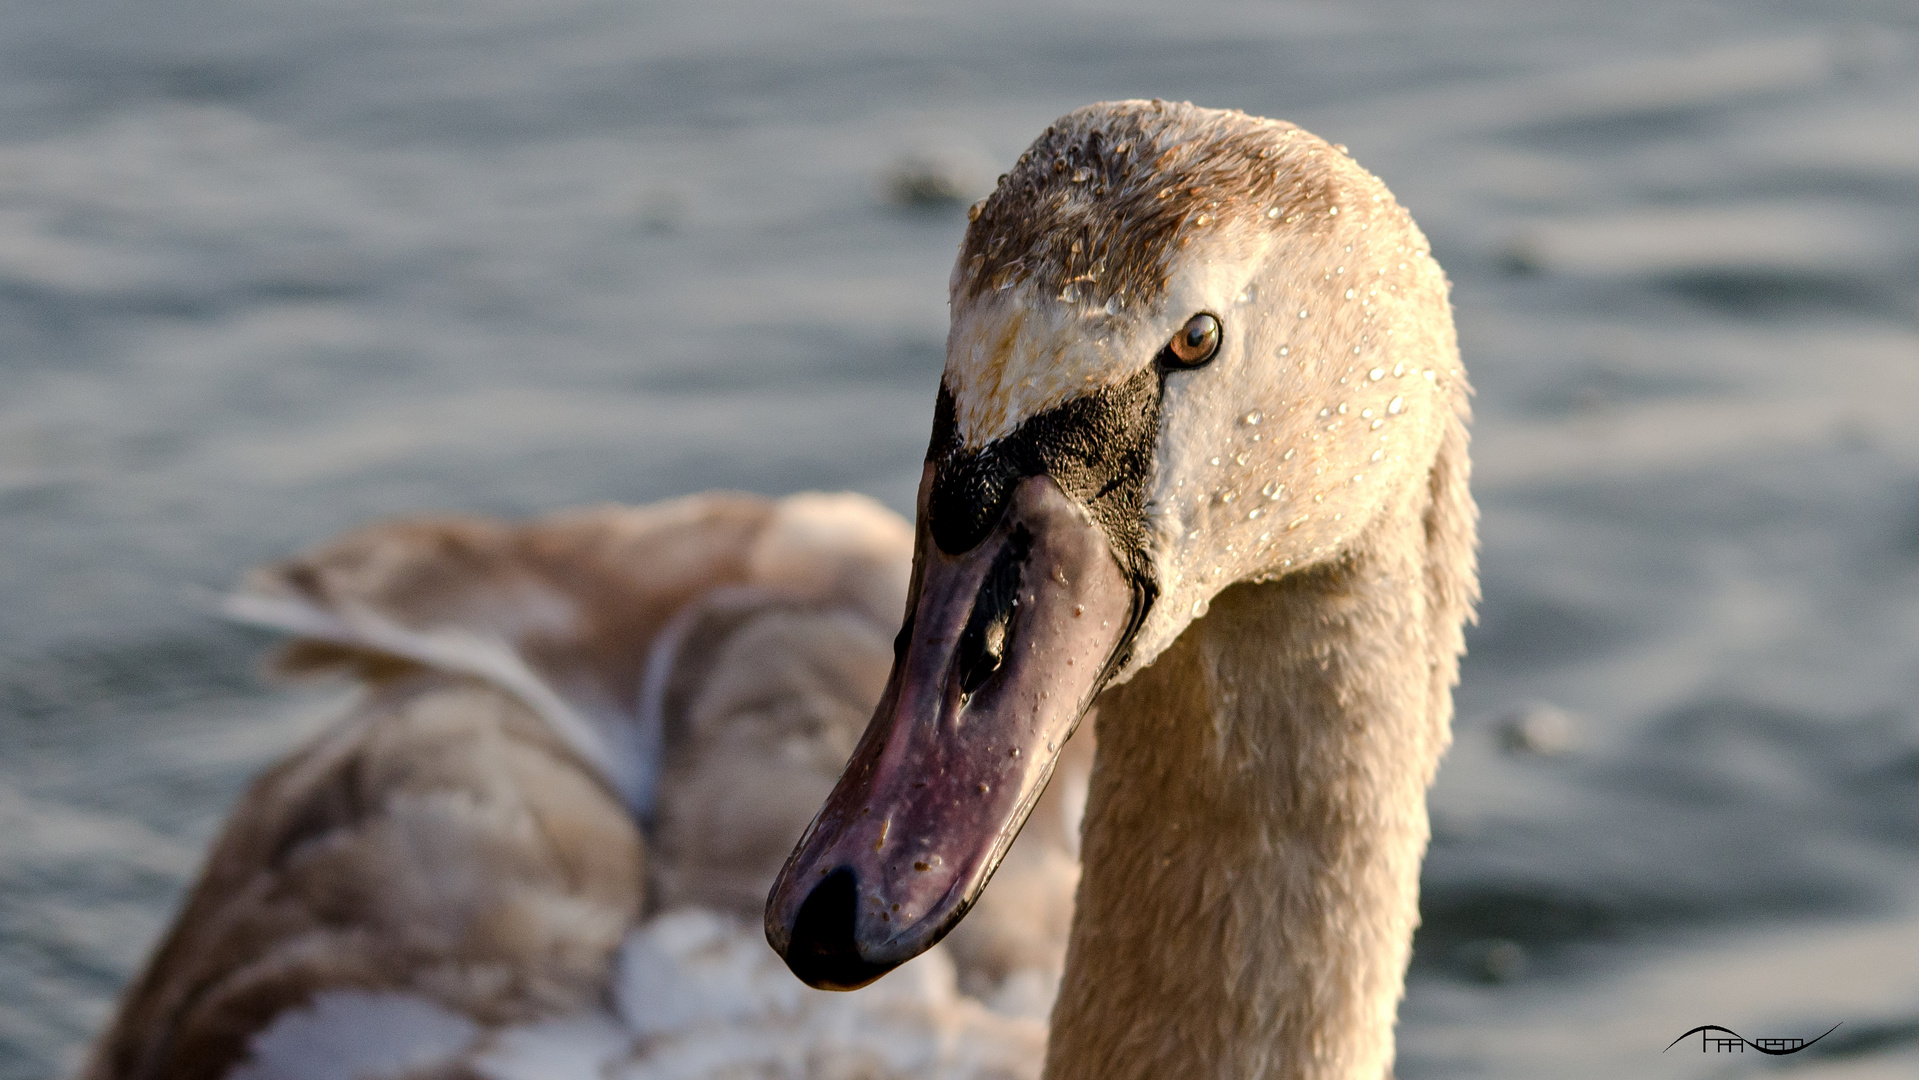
<point x="269" y="269"/>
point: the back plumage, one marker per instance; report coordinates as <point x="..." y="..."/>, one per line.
<point x="537" y="843"/>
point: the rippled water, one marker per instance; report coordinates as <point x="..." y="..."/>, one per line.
<point x="270" y="269"/>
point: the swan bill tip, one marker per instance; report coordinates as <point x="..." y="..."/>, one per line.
<point x="821" y="948"/>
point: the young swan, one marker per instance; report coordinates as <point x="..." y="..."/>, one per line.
<point x="1202" y="410"/>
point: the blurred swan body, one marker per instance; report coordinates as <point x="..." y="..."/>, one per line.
<point x="538" y="842"/>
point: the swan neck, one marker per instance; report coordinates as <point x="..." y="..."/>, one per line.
<point x="1255" y="827"/>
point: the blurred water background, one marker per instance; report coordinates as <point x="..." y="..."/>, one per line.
<point x="269" y="269"/>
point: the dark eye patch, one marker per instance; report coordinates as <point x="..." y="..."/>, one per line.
<point x="1098" y="448"/>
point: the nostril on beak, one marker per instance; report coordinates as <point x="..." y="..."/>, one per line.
<point x="982" y="645"/>
<point x="822" y="950"/>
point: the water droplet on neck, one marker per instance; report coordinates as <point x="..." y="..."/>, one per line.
<point x="1396" y="404"/>
<point x="1253" y="417"/>
<point x="1376" y="374"/>
<point x="1273" y="489"/>
<point x="1201" y="607"/>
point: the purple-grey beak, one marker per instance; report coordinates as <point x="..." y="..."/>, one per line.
<point x="1004" y="649"/>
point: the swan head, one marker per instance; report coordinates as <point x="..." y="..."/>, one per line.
<point x="1189" y="348"/>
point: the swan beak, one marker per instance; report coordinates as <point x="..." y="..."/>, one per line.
<point x="1004" y="649"/>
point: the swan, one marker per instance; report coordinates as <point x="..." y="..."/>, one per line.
<point x="537" y="842"/>
<point x="1200" y="455"/>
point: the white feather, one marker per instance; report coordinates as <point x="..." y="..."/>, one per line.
<point x="353" y="1035"/>
<point x="570" y="1048"/>
<point x="707" y="999"/>
<point x="452" y="649"/>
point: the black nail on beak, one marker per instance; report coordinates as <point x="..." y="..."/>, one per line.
<point x="823" y="952"/>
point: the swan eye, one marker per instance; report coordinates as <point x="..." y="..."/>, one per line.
<point x="1195" y="343"/>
